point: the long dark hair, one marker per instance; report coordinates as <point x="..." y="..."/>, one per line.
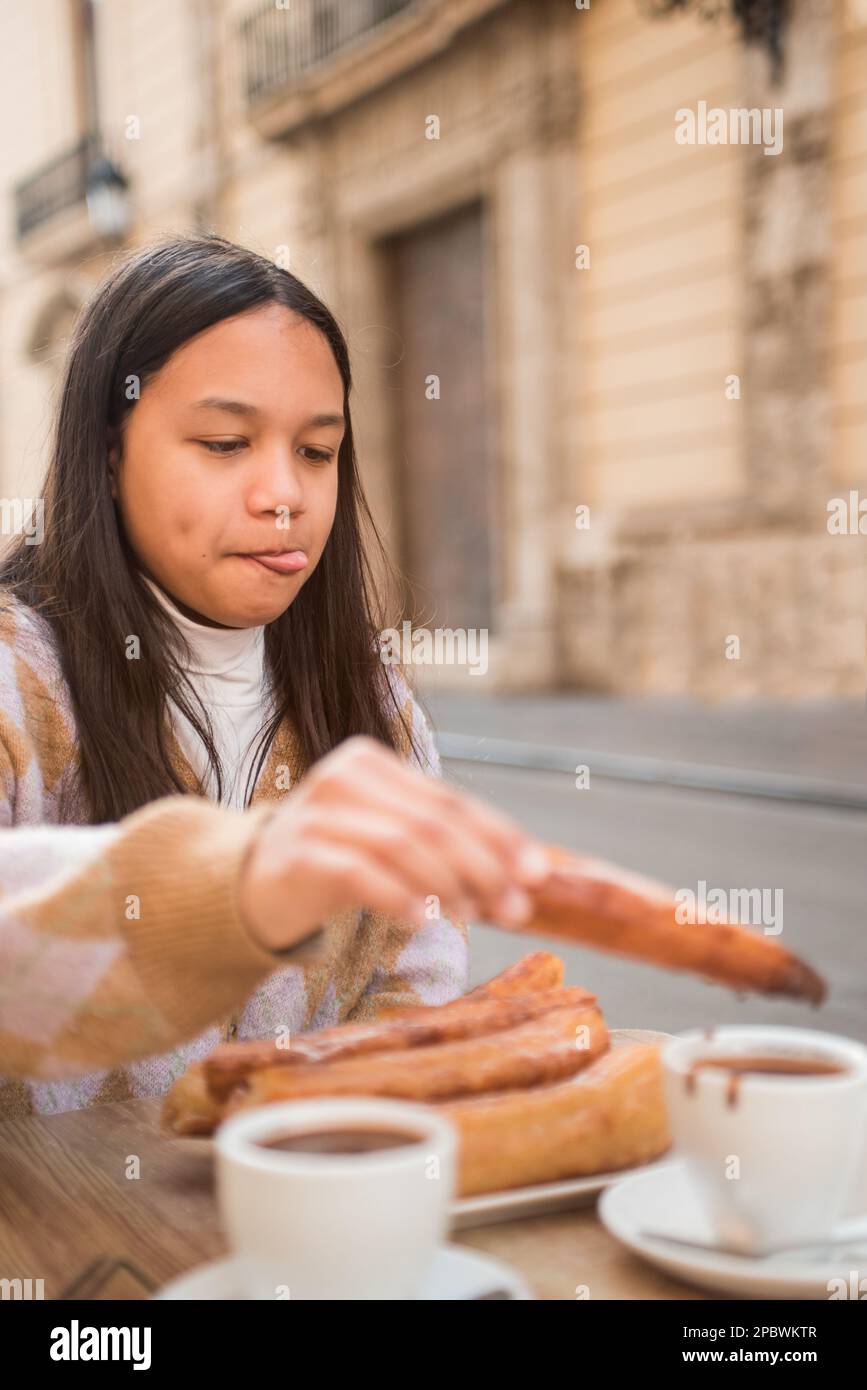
<point x="321" y="653"/>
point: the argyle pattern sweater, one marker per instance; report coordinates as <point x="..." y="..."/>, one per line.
<point x="123" y="955"/>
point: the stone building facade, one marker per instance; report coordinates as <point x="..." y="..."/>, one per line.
<point x="551" y="303"/>
<point x="718" y="262"/>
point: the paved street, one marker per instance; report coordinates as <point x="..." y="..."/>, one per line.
<point x="817" y="856"/>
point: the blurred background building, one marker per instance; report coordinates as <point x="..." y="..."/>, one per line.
<point x="606" y="383"/>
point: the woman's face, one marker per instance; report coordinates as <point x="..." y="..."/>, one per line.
<point x="230" y="452"/>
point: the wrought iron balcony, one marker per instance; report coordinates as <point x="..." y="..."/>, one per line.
<point x="80" y="178"/>
<point x="317" y="57"/>
<point x="280" y="45"/>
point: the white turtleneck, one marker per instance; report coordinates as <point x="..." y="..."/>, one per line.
<point x="227" y="670"/>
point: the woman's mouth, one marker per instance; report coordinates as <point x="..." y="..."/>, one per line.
<point x="281" y="562"/>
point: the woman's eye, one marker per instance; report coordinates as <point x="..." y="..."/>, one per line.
<point x="231" y="446"/>
<point x="221" y="446"/>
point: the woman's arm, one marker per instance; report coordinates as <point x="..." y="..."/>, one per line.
<point x="120" y="941"/>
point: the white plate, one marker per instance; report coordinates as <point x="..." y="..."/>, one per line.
<point x="547" y="1197"/>
<point x="664" y="1200"/>
<point x="542" y="1198"/>
<point x="456" y="1273"/>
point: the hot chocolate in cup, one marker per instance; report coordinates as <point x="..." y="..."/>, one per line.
<point x="772" y="1125"/>
<point x="338" y="1198"/>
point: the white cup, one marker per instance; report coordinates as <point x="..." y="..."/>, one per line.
<point x="335" y="1226"/>
<point x="782" y="1163"/>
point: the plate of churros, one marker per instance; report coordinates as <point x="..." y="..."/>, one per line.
<point x="548" y="1102"/>
<point x="550" y="1105"/>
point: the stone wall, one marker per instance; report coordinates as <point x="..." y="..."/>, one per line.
<point x="654" y="603"/>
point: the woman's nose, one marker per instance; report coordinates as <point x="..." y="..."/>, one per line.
<point x="276" y="482"/>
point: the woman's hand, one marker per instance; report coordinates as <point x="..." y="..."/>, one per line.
<point x="365" y="829"/>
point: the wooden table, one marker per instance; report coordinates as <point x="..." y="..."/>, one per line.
<point x="66" y="1201"/>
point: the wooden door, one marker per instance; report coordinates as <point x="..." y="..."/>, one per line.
<point x="442" y="434"/>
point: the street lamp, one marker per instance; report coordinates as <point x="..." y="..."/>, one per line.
<point x="107" y="200"/>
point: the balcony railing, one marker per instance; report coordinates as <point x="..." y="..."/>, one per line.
<point x="281" y="45"/>
<point x="59" y="184"/>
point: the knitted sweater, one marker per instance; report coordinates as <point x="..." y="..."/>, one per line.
<point x="123" y="954"/>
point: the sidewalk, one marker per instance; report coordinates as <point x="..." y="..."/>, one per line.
<point x="824" y="740"/>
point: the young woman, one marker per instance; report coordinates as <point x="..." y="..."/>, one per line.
<point x="221" y="811"/>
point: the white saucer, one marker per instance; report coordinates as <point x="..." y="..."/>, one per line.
<point x="456" y="1273"/>
<point x="663" y="1199"/>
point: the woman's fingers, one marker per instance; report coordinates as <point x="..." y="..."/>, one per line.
<point x="363" y="829"/>
<point x="454" y="845"/>
<point x="493" y="858"/>
<point x="523" y="857"/>
<point x="500" y="833"/>
<point x="388" y="840"/>
<point x="357" y="881"/>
